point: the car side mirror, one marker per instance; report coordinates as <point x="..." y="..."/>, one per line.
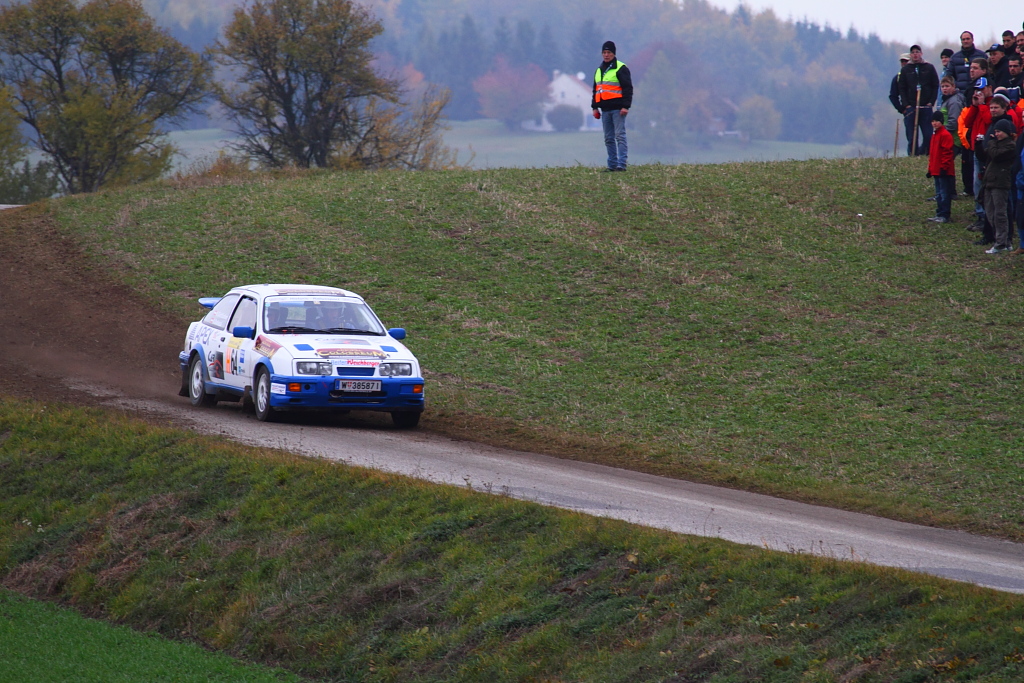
<point x="397" y="333"/>
<point x="243" y="331"/>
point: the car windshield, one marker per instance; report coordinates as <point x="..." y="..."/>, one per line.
<point x="334" y="315"/>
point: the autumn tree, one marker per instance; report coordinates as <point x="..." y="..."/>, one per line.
<point x="512" y="94"/>
<point x="758" y="118"/>
<point x="96" y="83"/>
<point x="306" y="93"/>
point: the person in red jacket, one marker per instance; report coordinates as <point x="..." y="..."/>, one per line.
<point x="941" y="168"/>
<point x="974" y="122"/>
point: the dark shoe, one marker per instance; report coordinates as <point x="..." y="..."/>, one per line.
<point x="976" y="226"/>
<point x="620" y="168"/>
<point x="1017" y="252"/>
<point x="982" y="242"/>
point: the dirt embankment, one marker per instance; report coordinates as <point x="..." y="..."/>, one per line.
<point x="63" y="317"/>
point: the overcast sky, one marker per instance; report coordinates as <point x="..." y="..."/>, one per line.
<point x="907" y="21"/>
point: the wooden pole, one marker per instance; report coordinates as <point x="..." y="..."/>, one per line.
<point x="917" y="112"/>
<point x="896" y="142"/>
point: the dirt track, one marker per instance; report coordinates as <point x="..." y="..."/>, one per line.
<point x="59" y="317"/>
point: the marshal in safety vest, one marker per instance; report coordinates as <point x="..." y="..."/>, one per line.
<point x="608" y="87"/>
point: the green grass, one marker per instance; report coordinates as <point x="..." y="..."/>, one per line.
<point x="40" y="642"/>
<point x="786" y="327"/>
<point x="348" y="574"/>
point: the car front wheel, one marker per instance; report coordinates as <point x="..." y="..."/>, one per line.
<point x="196" y="386"/>
<point x="261" y="401"/>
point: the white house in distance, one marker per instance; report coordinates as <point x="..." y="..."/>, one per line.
<point x="571" y="90"/>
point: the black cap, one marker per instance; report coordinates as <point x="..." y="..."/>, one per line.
<point x="1006" y="126"/>
<point x="938" y="116"/>
<point x="608" y="45"/>
<point x="946" y="53"/>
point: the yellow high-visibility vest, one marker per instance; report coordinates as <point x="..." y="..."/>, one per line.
<point x="608" y="87"/>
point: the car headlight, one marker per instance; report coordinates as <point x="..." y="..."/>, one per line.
<point x="312" y="368"/>
<point x="395" y="369"/>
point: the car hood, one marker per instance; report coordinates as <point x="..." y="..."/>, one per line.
<point x="337" y="347"/>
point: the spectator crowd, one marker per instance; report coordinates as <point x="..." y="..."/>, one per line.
<point x="970" y="108"/>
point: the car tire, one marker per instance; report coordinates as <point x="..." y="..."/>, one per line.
<point x="261" y="397"/>
<point x="197" y="386"/>
<point x="405" y="420"/>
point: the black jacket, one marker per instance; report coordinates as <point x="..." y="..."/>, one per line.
<point x="894" y="93"/>
<point x="998" y="157"/>
<point x="913" y="74"/>
<point x="625" y="81"/>
<point x="960" y="68"/>
<point x="1001" y="74"/>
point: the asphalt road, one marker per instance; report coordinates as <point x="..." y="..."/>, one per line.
<point x="670" y="504"/>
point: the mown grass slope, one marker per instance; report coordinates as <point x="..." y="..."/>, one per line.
<point x="791" y="327"/>
<point x="346" y="574"/>
<point x="43" y="643"/>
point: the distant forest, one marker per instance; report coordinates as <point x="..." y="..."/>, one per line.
<point x="691" y="62"/>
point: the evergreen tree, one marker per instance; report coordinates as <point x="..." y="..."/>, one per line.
<point x="523" y="45"/>
<point x="465" y="65"/>
<point x="502" y="39"/>
<point x="585" y="51"/>
<point x="547" y="55"/>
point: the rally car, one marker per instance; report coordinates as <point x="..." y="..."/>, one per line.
<point x="297" y="347"/>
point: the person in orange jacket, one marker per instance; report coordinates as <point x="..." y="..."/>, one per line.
<point x="974" y="122"/>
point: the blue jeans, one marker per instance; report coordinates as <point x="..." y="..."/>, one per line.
<point x="923" y="132"/>
<point x="979" y="210"/>
<point x="615" y="137"/>
<point x="945" y="188"/>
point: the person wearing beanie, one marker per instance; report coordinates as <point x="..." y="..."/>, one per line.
<point x="612" y="98"/>
<point x="941" y="168"/>
<point x="997" y="151"/>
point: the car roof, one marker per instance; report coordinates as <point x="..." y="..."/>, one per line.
<point x="301" y="290"/>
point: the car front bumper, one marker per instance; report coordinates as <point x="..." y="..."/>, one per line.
<point x="397" y="394"/>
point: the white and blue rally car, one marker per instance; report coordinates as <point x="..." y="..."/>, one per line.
<point x="293" y="347"/>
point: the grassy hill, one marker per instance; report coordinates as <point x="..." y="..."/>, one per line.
<point x="344" y="574"/>
<point x="794" y="327"/>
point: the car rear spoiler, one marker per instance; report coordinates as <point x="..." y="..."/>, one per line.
<point x="209" y="301"/>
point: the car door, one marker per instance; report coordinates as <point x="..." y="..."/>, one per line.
<point x="237" y="351"/>
<point x="213" y="337"/>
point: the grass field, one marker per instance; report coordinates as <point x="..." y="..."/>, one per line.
<point x="792" y="328"/>
<point x="42" y="643"/>
<point x="345" y="574"/>
<point x="488" y="144"/>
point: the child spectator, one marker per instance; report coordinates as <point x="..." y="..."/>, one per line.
<point x="941" y="168"/>
<point x="952" y="105"/>
<point x="997" y="150"/>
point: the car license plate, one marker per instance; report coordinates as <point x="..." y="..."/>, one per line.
<point x="358" y="385"/>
